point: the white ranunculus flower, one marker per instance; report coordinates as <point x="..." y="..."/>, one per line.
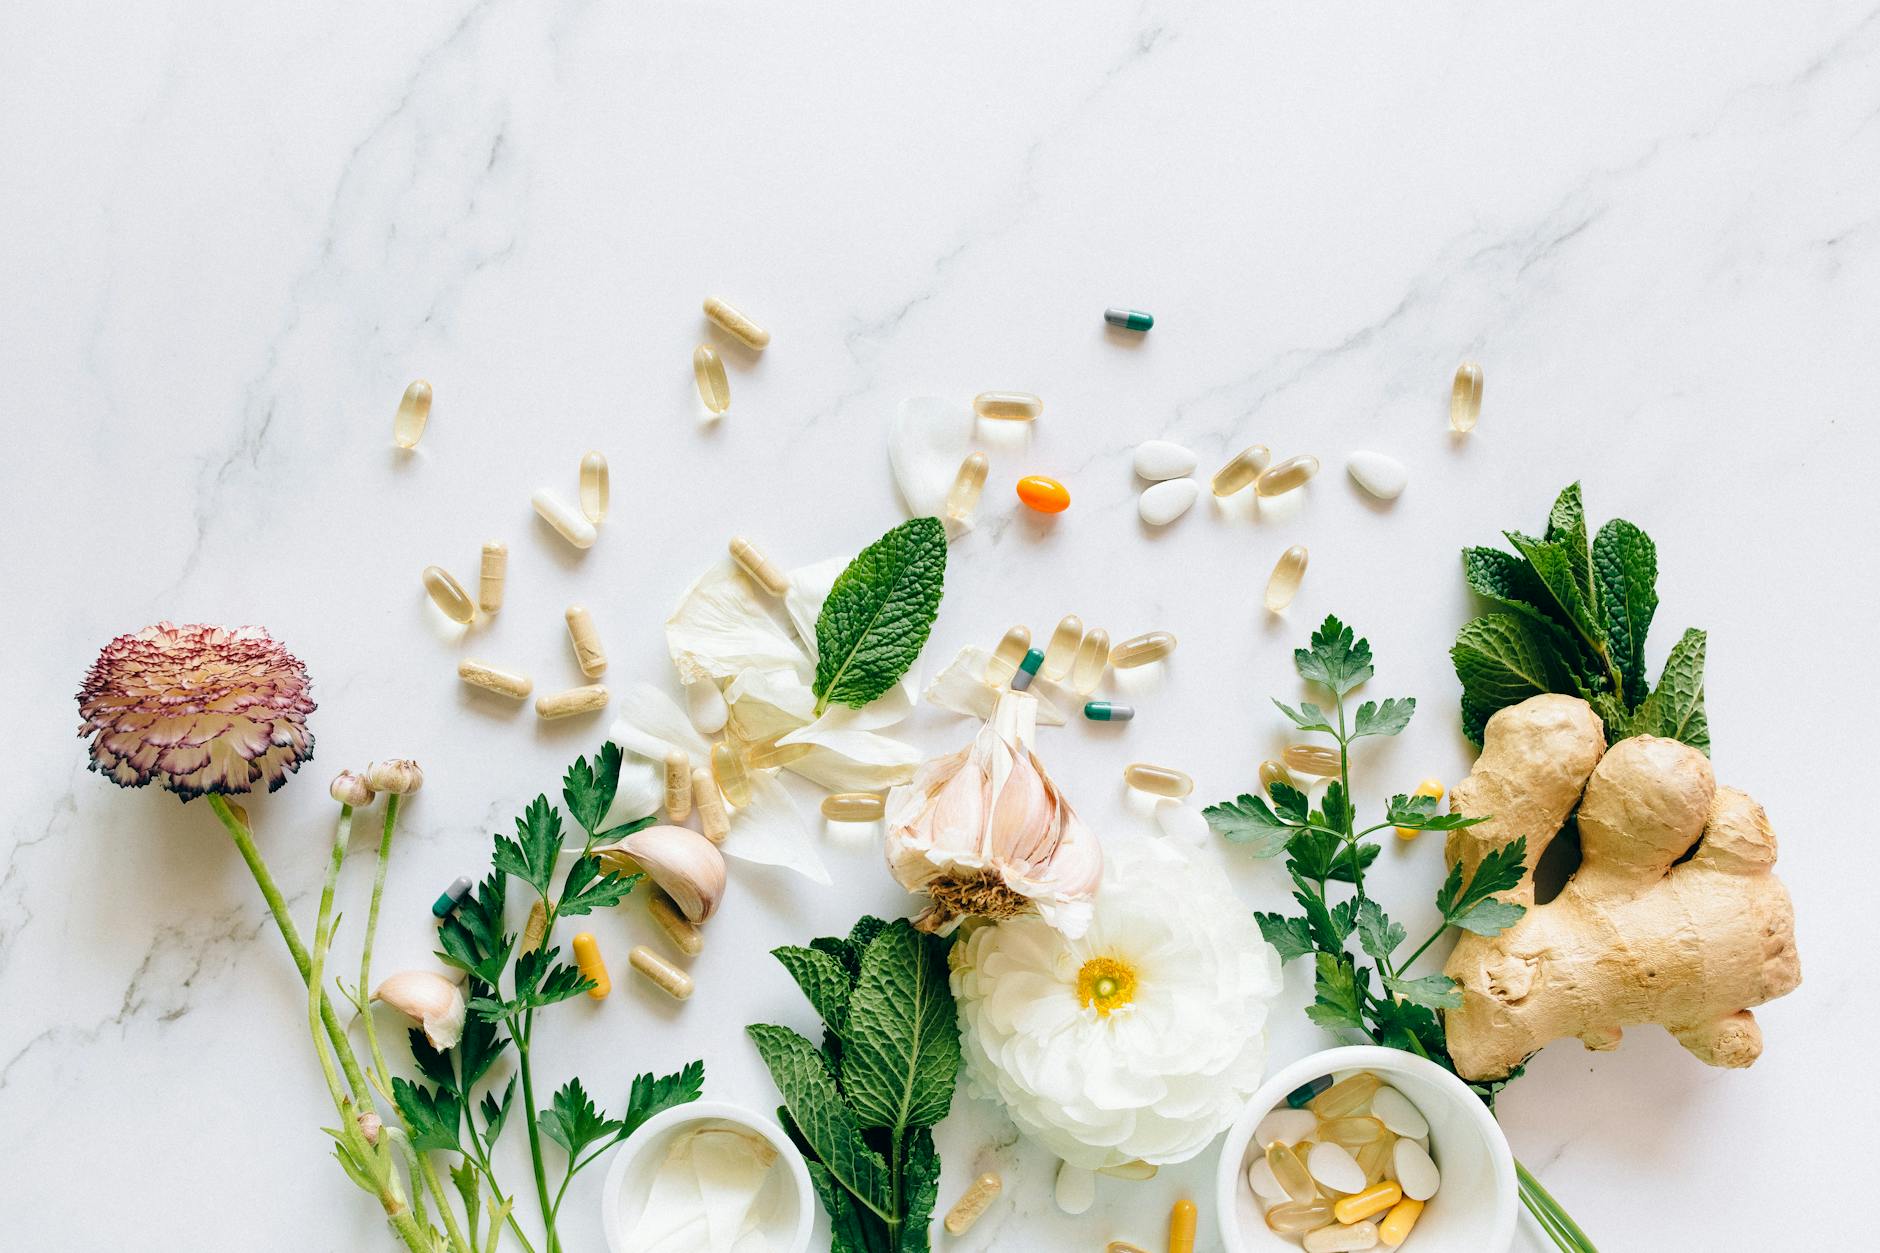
<point x="1143" y="1038"/>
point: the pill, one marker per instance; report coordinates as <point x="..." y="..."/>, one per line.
<point x="576" y="700"/>
<point x="1465" y="398"/>
<point x="1334" y="1166"/>
<point x="1181" y="1226"/>
<point x="1027" y="668"/>
<point x="1045" y="495"/>
<point x="1179" y="822"/>
<point x="1375" y="1199"/>
<point x="1290" y="1125"/>
<point x="588" y="653"/>
<point x="1374" y="1158"/>
<point x="963" y="496"/>
<point x="587" y="956"/>
<point x="972" y="1203"/>
<point x="710" y="803"/>
<point x="594" y="488"/>
<point x="1302" y="1095"/>
<point x="447" y="900"/>
<point x="1289" y="1171"/>
<point x="1128" y="319"/>
<point x="490" y="576"/>
<point x="448" y="594"/>
<point x="535" y="929"/>
<point x="1342" y="1239"/>
<point x="1415" y="1170"/>
<point x="1394" y="1110"/>
<point x="1313" y="759"/>
<point x="1158" y="459"/>
<point x="1297" y="1217"/>
<point x="683" y="933"/>
<point x="671" y="980"/>
<point x="1165" y="502"/>
<point x="1272" y="772"/>
<point x="705" y="706"/>
<point x="1136" y="1169"/>
<point x="1241" y="469"/>
<point x="1062" y="650"/>
<point x="735" y="324"/>
<point x="853" y="806"/>
<point x="1076" y="1188"/>
<point x="1265" y="1186"/>
<point x="493" y="679"/>
<point x="678" y="785"/>
<point x="1381" y="476"/>
<point x="1091" y="660"/>
<point x="1432" y="788"/>
<point x="1108" y="711"/>
<point x="1351" y="1095"/>
<point x="708" y="372"/>
<point x="729" y="774"/>
<point x="1123" y="1246"/>
<point x="762" y="570"/>
<point x="768" y="754"/>
<point x="1395" y="1228"/>
<point x="1277" y="480"/>
<point x="1003" y="663"/>
<point x="1160" y="780"/>
<point x="414" y="410"/>
<point x="569" y="523"/>
<point x="1353" y="1131"/>
<point x="1008" y="406"/>
<point x="1140" y="650"/>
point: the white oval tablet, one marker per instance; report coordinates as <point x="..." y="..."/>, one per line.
<point x="1416" y="1173"/>
<point x="1159" y="459"/>
<point x="1394" y="1110"/>
<point x="1383" y="477"/>
<point x="1165" y="502"/>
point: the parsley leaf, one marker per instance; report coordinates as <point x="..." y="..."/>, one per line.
<point x="573" y="1121"/>
<point x="1473" y="907"/>
<point x="1334" y="659"/>
<point x="531" y="856"/>
<point x="588" y="790"/>
<point x="1431" y="991"/>
<point x="1337" y="1000"/>
<point x="1308" y="717"/>
<point x="587" y="889"/>
<point x="1292" y="937"/>
<point x="1419" y="814"/>
<point x="1377" y="934"/>
<point x="434" y="1115"/>
<point x="650" y="1095"/>
<point x="1386" y="719"/>
<point x="472" y="937"/>
<point x="878" y="614"/>
<point x="1249" y="820"/>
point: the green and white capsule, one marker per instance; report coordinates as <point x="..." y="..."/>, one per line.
<point x="451" y="897"/>
<point x="1108" y="711"/>
<point x="1027" y="669"/>
<point x="1129" y="319"/>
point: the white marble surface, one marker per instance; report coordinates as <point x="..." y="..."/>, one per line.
<point x="230" y="234"/>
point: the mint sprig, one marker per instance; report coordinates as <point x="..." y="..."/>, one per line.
<point x="878" y="614"/>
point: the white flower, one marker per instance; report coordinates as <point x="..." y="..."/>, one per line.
<point x="1142" y="1039"/>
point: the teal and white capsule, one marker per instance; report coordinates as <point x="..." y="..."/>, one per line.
<point x="1027" y="669"/>
<point x="451" y="897"/>
<point x="1129" y="319"/>
<point x="1108" y="711"/>
<point x="1302" y="1095"/>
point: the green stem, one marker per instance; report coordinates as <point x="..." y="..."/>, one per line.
<point x="1546" y="1210"/>
<point x="549" y="1241"/>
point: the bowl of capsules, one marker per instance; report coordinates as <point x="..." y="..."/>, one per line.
<point x="1366" y="1148"/>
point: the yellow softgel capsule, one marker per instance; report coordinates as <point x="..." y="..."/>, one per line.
<point x="1361" y="1205"/>
<point x="708" y="372"/>
<point x="414" y="410"/>
<point x="1283" y="584"/>
<point x="853" y="806"/>
<point x="728" y="772"/>
<point x="1429" y="787"/>
<point x="587" y="957"/>
<point x="1297" y="1217"/>
<point x="1003" y="664"/>
<point x="671" y="980"/>
<point x="735" y="324"/>
<point x="1289" y="1169"/>
<point x="1348" y="1096"/>
<point x="1395" y="1228"/>
<point x="448" y="594"/>
<point x="1007" y="406"/>
<point x="1140" y="650"/>
<point x="1352" y="1131"/>
<point x="1272" y="772"/>
<point x="1242" y="469"/>
<point x="963" y="496"/>
<point x="1313" y="759"/>
<point x="972" y="1203"/>
<point x="1062" y="650"/>
<point x="594" y="487"/>
<point x="1093" y="658"/>
<point x="1465" y="398"/>
<point x="768" y="754"/>
<point x="1284" y="477"/>
<point x="1157" y="780"/>
<point x="491" y="576"/>
<point x="1181" y="1226"/>
<point x="1342" y="1239"/>
<point x="1375" y="1158"/>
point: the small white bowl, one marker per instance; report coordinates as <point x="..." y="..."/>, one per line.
<point x="636" y="1161"/>
<point x="1473" y="1212"/>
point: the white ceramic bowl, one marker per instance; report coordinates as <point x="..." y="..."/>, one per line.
<point x="636" y="1161"/>
<point x="1474" y="1211"/>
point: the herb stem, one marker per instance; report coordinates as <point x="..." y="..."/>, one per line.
<point x="1546" y="1210"/>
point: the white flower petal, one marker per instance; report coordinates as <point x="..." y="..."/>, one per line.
<point x="725" y="624"/>
<point x="927" y="440"/>
<point x="856" y="761"/>
<point x="771" y="831"/>
<point x="962" y="688"/>
<point x="809" y="588"/>
<point x="769" y="702"/>
<point x="648" y="722"/>
<point x="642" y="788"/>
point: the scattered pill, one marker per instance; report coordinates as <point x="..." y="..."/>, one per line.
<point x="1164" y="502"/>
<point x="1128" y="319"/>
<point x="448" y="594"/>
<point x="708" y="372"/>
<point x="1158" y="459"/>
<point x="1272" y="772"/>
<point x="587" y="957"/>
<point x="729" y="774"/>
<point x="1394" y="1110"/>
<point x="963" y="496"/>
<point x="1277" y="480"/>
<point x="535" y="929"/>
<point x="1027" y="669"/>
<point x="569" y="523"/>
<point x="683" y="933"/>
<point x="1008" y="406"/>
<point x="735" y="324"/>
<point x="1302" y="1095"/>
<point x="1335" y="1167"/>
<point x="1381" y="476"/>
<point x="972" y="1203"/>
<point x="763" y="570"/>
<point x="1181" y="1226"/>
<point x="678" y="785"/>
<point x="1415" y="1170"/>
<point x="1313" y="759"/>
<point x="492" y="679"/>
<point x="1283" y="584"/>
<point x="705" y="706"/>
<point x="1265" y="1186"/>
<point x="1395" y="1228"/>
<point x="853" y="806"/>
<point x="1465" y="398"/>
<point x="713" y="821"/>
<point x="1350" y="1095"/>
<point x="1076" y="1188"/>
<point x="1003" y="663"/>
<point x="1045" y="495"/>
<point x="1179" y="822"/>
<point x="414" y="410"/>
<point x="588" y="653"/>
<point x="1288" y="1124"/>
<point x="594" y="488"/>
<point x="576" y="700"/>
<point x="1243" y="468"/>
<point x="490" y="576"/>
<point x="1108" y="711"/>
<point x="671" y="980"/>
<point x="1342" y="1239"/>
<point x="1092" y="659"/>
<point x="1062" y="650"/>
<point x="1432" y="788"/>
<point x="1298" y="1217"/>
<point x="1140" y="650"/>
<point x="1159" y="780"/>
<point x="448" y="899"/>
<point x="1289" y="1171"/>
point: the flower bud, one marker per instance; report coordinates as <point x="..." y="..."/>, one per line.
<point x="370" y="1125"/>
<point x="351" y="789"/>
<point x="399" y="777"/>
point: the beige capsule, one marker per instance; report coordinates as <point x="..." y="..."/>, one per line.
<point x="492" y="575"/>
<point x="414" y="411"/>
<point x="1140" y="650"/>
<point x="710" y="803"/>
<point x="594" y="488"/>
<point x="1008" y="406"/>
<point x="448" y="594"/>
<point x="762" y="570"/>
<point x="853" y="806"/>
<point x="1279" y="479"/>
<point x="1283" y="584"/>
<point x="678" y="785"/>
<point x="735" y="324"/>
<point x="576" y="700"/>
<point x="1243" y="468"/>
<point x="1158" y="780"/>
<point x="569" y="522"/>
<point x="490" y="678"/>
<point x="684" y="935"/>
<point x="671" y="980"/>
<point x="535" y="929"/>
<point x="1312" y="759"/>
<point x="972" y="1203"/>
<point x="708" y="372"/>
<point x="588" y="653"/>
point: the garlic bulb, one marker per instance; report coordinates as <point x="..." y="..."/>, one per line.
<point x="686" y="865"/>
<point x="433" y="1000"/>
<point x="399" y="777"/>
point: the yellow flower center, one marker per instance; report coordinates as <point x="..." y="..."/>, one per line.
<point x="1105" y="983"/>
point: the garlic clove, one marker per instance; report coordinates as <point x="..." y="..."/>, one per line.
<point x="433" y="1000"/>
<point x="686" y="865"/>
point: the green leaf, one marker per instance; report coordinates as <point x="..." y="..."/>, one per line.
<point x="468" y="1182"/>
<point x="1308" y="717"/>
<point x="434" y="1115"/>
<point x="823" y="980"/>
<point x="1337" y="811"/>
<point x="1289" y="803"/>
<point x="573" y="1121"/>
<point x="1336" y="1002"/>
<point x="1291" y="936"/>
<point x="650" y="1095"/>
<point x="1473" y="908"/>
<point x="1502" y="660"/>
<point x="1328" y="927"/>
<point x="621" y="832"/>
<point x="1567" y="603"/>
<point x="531" y="856"/>
<point x="901" y="1039"/>
<point x="1334" y="659"/>
<point x="1410" y="1027"/>
<point x="587" y="889"/>
<point x="1377" y="934"/>
<point x="1317" y="855"/>
<point x="827" y="1125"/>
<point x="472" y="937"/>
<point x="588" y="790"/>
<point x="479" y="1048"/>
<point x="920" y="1188"/>
<point x="1625" y="567"/>
<point x="432" y="1063"/>
<point x="1675" y="709"/>
<point x="1419" y="813"/>
<point x="878" y="614"/>
<point x="1248" y="820"/>
<point x="495" y="1112"/>
<point x="1386" y="719"/>
<point x="1431" y="991"/>
<point x="1490" y="917"/>
<point x="1566" y="529"/>
<point x="1508" y="580"/>
<point x="853" y="1228"/>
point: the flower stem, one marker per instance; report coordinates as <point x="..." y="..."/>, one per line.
<point x="1564" y="1232"/>
<point x="550" y="1243"/>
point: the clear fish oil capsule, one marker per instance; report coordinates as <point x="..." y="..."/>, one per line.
<point x="1289" y="1169"/>
<point x="1093" y="658"/>
<point x="494" y="679"/>
<point x="1347" y="1096"/>
<point x="1003" y="664"/>
<point x="1279" y="479"/>
<point x="491" y="575"/>
<point x="1283" y="583"/>
<point x="709" y="373"/>
<point x="1354" y="1131"/>
<point x="735" y="324"/>
<point x="1062" y="650"/>
<point x="1297" y="1217"/>
<point x="569" y="523"/>
<point x="587" y="957"/>
<point x="1108" y="711"/>
<point x="683" y="933"/>
<point x="594" y="489"/>
<point x="414" y="410"/>
<point x="1140" y="650"/>
<point x="1312" y="759"/>
<point x="1272" y="772"/>
<point x="1160" y="780"/>
<point x="667" y="977"/>
<point x="963" y="496"/>
<point x="728" y="773"/>
<point x="713" y="821"/>
<point x="853" y="806"/>
<point x="448" y="594"/>
<point x="1243" y="469"/>
<point x="1465" y="398"/>
<point x="1007" y="406"/>
<point x="972" y="1203"/>
<point x="767" y="754"/>
<point x="576" y="700"/>
<point x="678" y="785"/>
<point x="1128" y="319"/>
<point x="762" y="570"/>
<point x="588" y="653"/>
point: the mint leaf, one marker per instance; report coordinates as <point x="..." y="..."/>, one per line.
<point x="1625" y="567"/>
<point x="1308" y="717"/>
<point x="1386" y="719"/>
<point x="901" y="1040"/>
<point x="1566" y="602"/>
<point x="1248" y="820"/>
<point x="531" y="856"/>
<point x="586" y="889"/>
<point x="1377" y="934"/>
<point x="1506" y="579"/>
<point x="1675" y="709"/>
<point x="828" y="1127"/>
<point x="1337" y="1002"/>
<point x="1566" y="528"/>
<point x="920" y="1187"/>
<point x="1334" y="659"/>
<point x="1292" y="937"/>
<point x="573" y="1121"/>
<point x="823" y="980"/>
<point x="434" y="1116"/>
<point x="877" y="616"/>
<point x="651" y="1095"/>
<point x="588" y="790"/>
<point x="1502" y="660"/>
<point x="1431" y="991"/>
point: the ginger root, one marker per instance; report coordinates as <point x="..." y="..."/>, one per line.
<point x="1636" y="935"/>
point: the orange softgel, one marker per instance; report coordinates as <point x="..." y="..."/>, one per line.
<point x="1043" y="494"/>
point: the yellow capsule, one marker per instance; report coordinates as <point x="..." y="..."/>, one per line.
<point x="1289" y="1169"/>
<point x="1272" y="772"/>
<point x="1465" y="398"/>
<point x="1136" y="1170"/>
<point x="963" y="496"/>
<point x="972" y="1203"/>
<point x="490" y="679"/>
<point x="1313" y="759"/>
<point x="684" y="934"/>
<point x="1243" y="469"/>
<point x="709" y="373"/>
<point x="414" y="410"/>
<point x="1429" y="787"/>
<point x="1288" y="474"/>
<point x="1093" y="658"/>
<point x="1374" y="1158"/>
<point x="535" y="928"/>
<point x="1062" y="649"/>
<point x="594" y="489"/>
<point x="576" y="700"/>
<point x="1140" y="650"/>
<point x="710" y="803"/>
<point x="853" y="806"/>
<point x="1347" y="1096"/>
<point x="1181" y="1226"/>
<point x="1160" y="780"/>
<point x="1352" y="1131"/>
<point x="587" y="956"/>
<point x="728" y="772"/>
<point x="1395" y="1228"/>
<point x="767" y="754"/>
<point x="588" y="653"/>
<point x="1361" y="1205"/>
<point x="1297" y="1217"/>
<point x="1283" y="583"/>
<point x="1007" y="406"/>
<point x="735" y="324"/>
<point x="448" y="594"/>
<point x="1003" y="664"/>
<point x="762" y="570"/>
<point x="678" y="785"/>
<point x="490" y="576"/>
<point x="671" y="980"/>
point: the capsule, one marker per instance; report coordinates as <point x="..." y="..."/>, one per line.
<point x="1242" y="469"/>
<point x="1297" y="1217"/>
<point x="768" y="754"/>
<point x="569" y="522"/>
<point x="1429" y="787"/>
<point x="1303" y="1095"/>
<point x="671" y="980"/>
<point x="448" y="594"/>
<point x="710" y="803"/>
<point x="1342" y="1239"/>
<point x="414" y="410"/>
<point x="972" y="1203"/>
<point x="1313" y="759"/>
<point x="1359" y="1206"/>
<point x="1136" y="1170"/>
<point x="735" y="324"/>
<point x="1160" y="780"/>
<point x="1347" y="1096"/>
<point x="1003" y="664"/>
<point x="1465" y="398"/>
<point x="588" y="653"/>
<point x="708" y="372"/>
<point x="1128" y="319"/>
<point x="963" y="496"/>
<point x="447" y="900"/>
<point x="1108" y="711"/>
<point x="1279" y="479"/>
<point x="594" y="489"/>
<point x="1181" y="1226"/>
<point x="1140" y="650"/>
<point x="1289" y="1170"/>
<point x="490" y="576"/>
<point x="1354" y="1131"/>
<point x="1374" y="1159"/>
<point x="1027" y="669"/>
<point x="729" y="774"/>
<point x="576" y="700"/>
<point x="1007" y="406"/>
<point x="1272" y="772"/>
<point x="1395" y="1228"/>
<point x="587" y="956"/>
<point x="535" y="929"/>
<point x="678" y="785"/>
<point x="492" y="679"/>
<point x="1283" y="583"/>
<point x="853" y="806"/>
<point x="1062" y="650"/>
<point x="1093" y="658"/>
<point x="1046" y="495"/>
<point x="683" y="933"/>
<point x="762" y="570"/>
